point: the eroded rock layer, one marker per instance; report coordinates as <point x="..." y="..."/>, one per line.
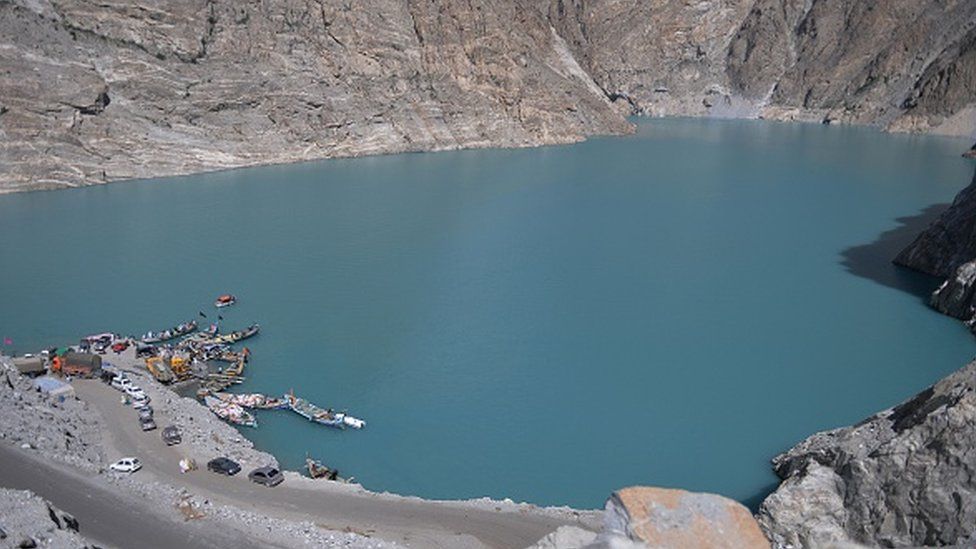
<point x="95" y="91"/>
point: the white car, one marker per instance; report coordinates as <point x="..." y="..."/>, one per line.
<point x="126" y="465"/>
<point x="120" y="383"/>
<point x="134" y="392"/>
<point x="140" y="401"/>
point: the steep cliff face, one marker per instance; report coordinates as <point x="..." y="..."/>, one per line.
<point x="903" y="477"/>
<point x="96" y="91"/>
<point x="903" y="64"/>
<point x="99" y="91"/>
<point x="949" y="242"/>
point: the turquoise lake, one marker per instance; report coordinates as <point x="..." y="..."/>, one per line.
<point x="671" y="308"/>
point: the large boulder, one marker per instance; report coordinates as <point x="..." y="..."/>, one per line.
<point x="661" y="517"/>
<point x="905" y="476"/>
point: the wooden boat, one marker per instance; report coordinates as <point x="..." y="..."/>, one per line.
<point x="237" y="335"/>
<point x="329" y="417"/>
<point x="172" y="333"/>
<point x="229" y="412"/>
<point x="225" y="300"/>
<point x="317" y="470"/>
<point x="252" y="400"/>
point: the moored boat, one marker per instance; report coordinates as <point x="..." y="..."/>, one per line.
<point x="225" y="300"/>
<point x="316" y="469"/>
<point x="172" y="333"/>
<point x="230" y="412"/>
<point x="327" y="417"/>
<point x="238" y="335"/>
<point x="252" y="400"/>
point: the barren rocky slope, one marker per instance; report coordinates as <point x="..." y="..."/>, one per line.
<point x="903" y="477"/>
<point x="95" y="91"/>
<point x="904" y="64"/>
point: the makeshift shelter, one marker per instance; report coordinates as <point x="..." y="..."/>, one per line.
<point x="54" y="388"/>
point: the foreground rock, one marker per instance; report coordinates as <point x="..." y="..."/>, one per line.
<point x="663" y="518"/>
<point x="903" y="477"/>
<point x="103" y="91"/>
<point x="29" y="521"/>
<point x="63" y="430"/>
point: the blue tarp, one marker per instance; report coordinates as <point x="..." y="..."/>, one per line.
<point x="54" y="387"/>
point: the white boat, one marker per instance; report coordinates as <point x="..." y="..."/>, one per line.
<point x="230" y="412"/>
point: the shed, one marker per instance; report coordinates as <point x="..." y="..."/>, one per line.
<point x="30" y="366"/>
<point x="54" y="388"/>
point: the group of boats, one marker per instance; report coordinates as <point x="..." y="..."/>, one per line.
<point x="230" y="412"/>
<point x="172" y="333"/>
<point x="233" y="408"/>
<point x="237" y="408"/>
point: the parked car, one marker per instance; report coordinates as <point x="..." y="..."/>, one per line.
<point x="147" y="423"/>
<point x="121" y="382"/>
<point x="171" y="435"/>
<point x="140" y="401"/>
<point x="267" y="475"/>
<point x="144" y="350"/>
<point x="146" y="412"/>
<point x="126" y="465"/>
<point x="224" y="466"/>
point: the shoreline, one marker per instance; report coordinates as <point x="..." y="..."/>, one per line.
<point x="334" y="508"/>
<point x="784" y="115"/>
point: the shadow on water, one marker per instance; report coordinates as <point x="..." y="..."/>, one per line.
<point x="873" y="261"/>
<point x="753" y="501"/>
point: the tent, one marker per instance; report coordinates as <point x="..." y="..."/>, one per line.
<point x="54" y="388"/>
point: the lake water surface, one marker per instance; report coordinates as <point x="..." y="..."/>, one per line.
<point x="671" y="308"/>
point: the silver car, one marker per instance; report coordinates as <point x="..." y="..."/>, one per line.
<point x="147" y="423"/>
<point x="267" y="475"/>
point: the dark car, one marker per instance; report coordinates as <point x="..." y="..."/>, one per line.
<point x="267" y="475"/>
<point x="147" y="423"/>
<point x="145" y="350"/>
<point x="171" y="435"/>
<point x="224" y="466"/>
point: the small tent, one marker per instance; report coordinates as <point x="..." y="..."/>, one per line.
<point x="54" y="388"/>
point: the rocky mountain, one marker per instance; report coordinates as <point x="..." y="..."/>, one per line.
<point x="903" y="64"/>
<point x="97" y="91"/>
<point x="903" y="477"/>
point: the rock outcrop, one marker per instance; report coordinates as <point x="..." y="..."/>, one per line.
<point x="96" y="92"/>
<point x="26" y="520"/>
<point x="63" y="430"/>
<point x="903" y="477"/>
<point x="949" y="242"/>
<point x="661" y="517"/>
